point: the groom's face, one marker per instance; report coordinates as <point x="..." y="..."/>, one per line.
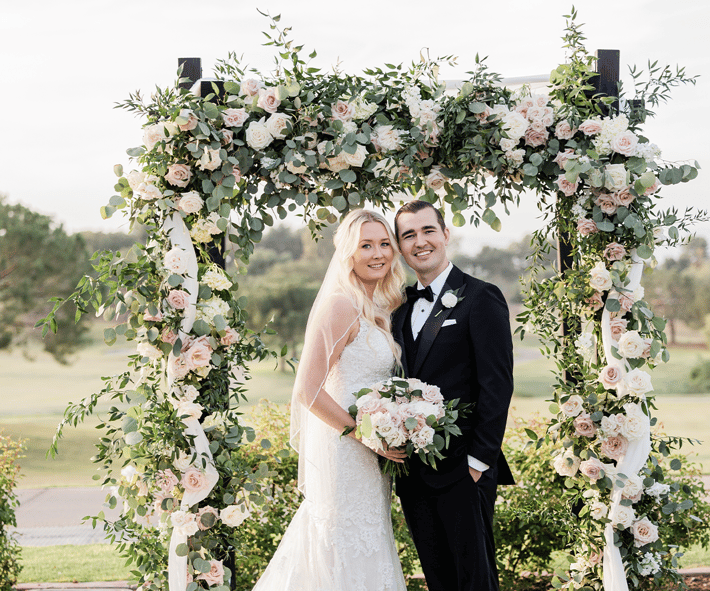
<point x="423" y="243"/>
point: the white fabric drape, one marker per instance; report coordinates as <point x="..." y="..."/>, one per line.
<point x="614" y="576"/>
<point x="177" y="231"/>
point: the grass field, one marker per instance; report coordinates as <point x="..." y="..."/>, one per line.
<point x="36" y="392"/>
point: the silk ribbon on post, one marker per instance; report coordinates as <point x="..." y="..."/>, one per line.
<point x="614" y="576"/>
<point x="174" y="227"/>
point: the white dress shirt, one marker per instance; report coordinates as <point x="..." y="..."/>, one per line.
<point x="420" y="313"/>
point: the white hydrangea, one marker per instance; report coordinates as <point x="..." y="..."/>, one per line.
<point x="648" y="151"/>
<point x="215" y="306"/>
<point x="657" y="490"/>
<point x="650" y="564"/>
<point x="215" y="279"/>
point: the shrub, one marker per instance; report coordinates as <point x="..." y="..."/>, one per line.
<point x="10" y="452"/>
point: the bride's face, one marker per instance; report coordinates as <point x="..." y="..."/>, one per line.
<point x="374" y="255"/>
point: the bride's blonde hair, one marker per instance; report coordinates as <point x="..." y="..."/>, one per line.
<point x="388" y="294"/>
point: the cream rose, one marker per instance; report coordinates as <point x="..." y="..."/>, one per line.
<point x="599" y="277"/>
<point x="199" y="354"/>
<point x="644" y="531"/>
<point x="638" y="382"/>
<point x="190" y="202"/>
<point x="587" y="227"/>
<point x="195" y="481"/>
<point x="215" y="576"/>
<point x="184" y="522"/>
<point x="598" y="510"/>
<point x="606" y="203"/>
<point x="566" y="186"/>
<point x="179" y="367"/>
<point x="234" y="515"/>
<point x="592" y="469"/>
<point x="563" y="130"/>
<point x="230" y="337"/>
<point x="631" y="345"/>
<point x="615" y="447"/>
<point x="135" y="178"/>
<point x="268" y="99"/>
<point x="611" y="376"/>
<point x="625" y="143"/>
<point x="635" y="424"/>
<point x="157" y="132"/>
<point x="278" y="125"/>
<point x="250" y="87"/>
<point x="610" y="425"/>
<point x="175" y="260"/>
<point x="616" y="177"/>
<point x="614" y="251"/>
<point x="178" y="299"/>
<point x="258" y="136"/>
<point x="343" y="111"/>
<point x="572" y="406"/>
<point x="633" y="488"/>
<point x="189" y="411"/>
<point x="618" y="327"/>
<point x="623" y="516"/>
<point x="435" y="180"/>
<point x="145" y="349"/>
<point x="566" y="464"/>
<point x="191" y="120"/>
<point x="584" y="425"/>
<point x="536" y="138"/>
<point x="591" y="127"/>
<point x="357" y="158"/>
<point x="178" y="175"/>
<point x="386" y="138"/>
<point x="234" y="117"/>
<point x="210" y="159"/>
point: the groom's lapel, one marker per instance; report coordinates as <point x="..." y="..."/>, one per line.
<point x="399" y="317"/>
<point x="437" y="317"/>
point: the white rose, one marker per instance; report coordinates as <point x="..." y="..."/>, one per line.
<point x="135" y="178"/>
<point x="573" y="406"/>
<point x="234" y="117"/>
<point x="507" y="145"/>
<point x="175" y="260"/>
<point x="623" y="516"/>
<point x="615" y="177"/>
<point x="183" y="461"/>
<point x="645" y="532"/>
<point x="268" y="99"/>
<point x="567" y="464"/>
<point x="145" y="349"/>
<point x="515" y="125"/>
<point x="633" y="487"/>
<point x="357" y="158"/>
<point x="148" y="192"/>
<point x="189" y="410"/>
<point x="190" y="202"/>
<point x="636" y="425"/>
<point x="234" y="515"/>
<point x="435" y="180"/>
<point x="156" y="133"/>
<point x="449" y="300"/>
<point x="638" y="382"/>
<point x="277" y="125"/>
<point x="184" y="522"/>
<point x="423" y="437"/>
<point x="625" y="143"/>
<point x="631" y="345"/>
<point x="250" y="87"/>
<point x="258" y="136"/>
<point x="610" y="426"/>
<point x="599" y="277"/>
<point x="598" y="510"/>
<point x="658" y="489"/>
<point x="386" y="138"/>
<point x="386" y="166"/>
<point x="210" y="160"/>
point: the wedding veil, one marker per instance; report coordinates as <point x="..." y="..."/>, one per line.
<point x="324" y="332"/>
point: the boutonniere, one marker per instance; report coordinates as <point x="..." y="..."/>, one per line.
<point x="450" y="299"/>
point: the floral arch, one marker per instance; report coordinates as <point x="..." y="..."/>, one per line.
<point x="217" y="169"/>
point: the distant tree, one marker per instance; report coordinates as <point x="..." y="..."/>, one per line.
<point x="38" y="260"/>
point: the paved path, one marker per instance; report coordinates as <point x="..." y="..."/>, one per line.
<point x="53" y="516"/>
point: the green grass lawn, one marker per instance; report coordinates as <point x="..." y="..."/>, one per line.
<point x="65" y="564"/>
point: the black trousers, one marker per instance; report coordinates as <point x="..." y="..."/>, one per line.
<point x="452" y="529"/>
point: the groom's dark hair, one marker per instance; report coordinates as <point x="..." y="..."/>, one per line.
<point x="413" y="207"/>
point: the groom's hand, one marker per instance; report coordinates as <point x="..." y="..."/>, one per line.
<point x="475" y="474"/>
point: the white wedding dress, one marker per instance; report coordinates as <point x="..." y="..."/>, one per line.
<point x="341" y="539"/>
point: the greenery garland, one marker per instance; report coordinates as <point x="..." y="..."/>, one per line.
<point x="318" y="145"/>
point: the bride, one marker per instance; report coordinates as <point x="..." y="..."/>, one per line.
<point x="341" y="539"/>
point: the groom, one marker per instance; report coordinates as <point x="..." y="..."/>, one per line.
<point x="455" y="333"/>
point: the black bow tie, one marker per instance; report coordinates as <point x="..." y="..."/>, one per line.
<point x="413" y="294"/>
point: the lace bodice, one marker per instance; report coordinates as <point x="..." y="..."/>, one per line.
<point x="341" y="537"/>
<point x="365" y="361"/>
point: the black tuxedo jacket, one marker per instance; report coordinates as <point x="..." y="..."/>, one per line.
<point x="471" y="358"/>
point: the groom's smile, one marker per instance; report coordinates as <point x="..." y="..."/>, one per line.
<point x="423" y="242"/>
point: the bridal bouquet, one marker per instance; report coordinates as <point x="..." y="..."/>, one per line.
<point x="406" y="414"/>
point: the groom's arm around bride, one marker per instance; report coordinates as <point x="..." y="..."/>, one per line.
<point x="457" y="337"/>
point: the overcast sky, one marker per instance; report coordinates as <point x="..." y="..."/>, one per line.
<point x="67" y="63"/>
